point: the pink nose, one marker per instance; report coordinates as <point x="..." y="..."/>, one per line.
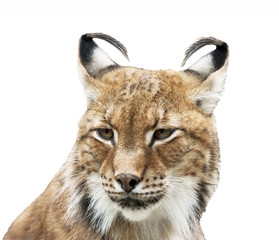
<point x="127" y="181"/>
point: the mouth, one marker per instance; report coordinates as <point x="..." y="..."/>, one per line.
<point x="133" y="203"/>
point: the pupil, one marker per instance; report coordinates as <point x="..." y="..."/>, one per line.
<point x="161" y="131"/>
<point x="106" y="131"/>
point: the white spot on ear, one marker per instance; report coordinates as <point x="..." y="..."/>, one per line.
<point x="100" y="60"/>
<point x="203" y="66"/>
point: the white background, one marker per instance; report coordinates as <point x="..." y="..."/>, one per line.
<point x="41" y="98"/>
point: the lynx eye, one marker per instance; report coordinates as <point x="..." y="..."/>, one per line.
<point x="161" y="134"/>
<point x="105" y="133"/>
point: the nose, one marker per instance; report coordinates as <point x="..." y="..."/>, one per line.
<point x="127" y="181"/>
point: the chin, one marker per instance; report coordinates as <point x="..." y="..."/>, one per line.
<point x="136" y="215"/>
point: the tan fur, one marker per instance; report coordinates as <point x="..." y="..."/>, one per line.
<point x="131" y="101"/>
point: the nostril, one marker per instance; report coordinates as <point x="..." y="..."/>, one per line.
<point x="133" y="183"/>
<point x="119" y="181"/>
<point x="127" y="181"/>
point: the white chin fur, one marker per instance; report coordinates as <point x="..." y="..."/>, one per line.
<point x="136" y="215"/>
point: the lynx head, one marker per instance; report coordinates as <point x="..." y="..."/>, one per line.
<point x="147" y="147"/>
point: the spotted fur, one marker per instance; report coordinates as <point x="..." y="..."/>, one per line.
<point x="170" y="180"/>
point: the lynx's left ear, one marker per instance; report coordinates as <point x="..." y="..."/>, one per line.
<point x="93" y="60"/>
<point x="212" y="70"/>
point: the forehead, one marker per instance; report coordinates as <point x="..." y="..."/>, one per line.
<point x="142" y="94"/>
<point x="125" y="83"/>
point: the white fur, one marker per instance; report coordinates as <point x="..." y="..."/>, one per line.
<point x="100" y="60"/>
<point x="210" y="91"/>
<point x="104" y="207"/>
<point x="149" y="137"/>
<point x="178" y="203"/>
<point x="70" y="187"/>
<point x="204" y="65"/>
<point x="136" y="215"/>
<point x="115" y="136"/>
<point x="90" y="94"/>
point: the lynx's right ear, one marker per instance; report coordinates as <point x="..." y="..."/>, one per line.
<point x="93" y="60"/>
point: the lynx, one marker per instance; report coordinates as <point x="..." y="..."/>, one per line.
<point x="146" y="159"/>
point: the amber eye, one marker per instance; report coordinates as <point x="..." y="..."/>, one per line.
<point x="105" y="133"/>
<point x="161" y="134"/>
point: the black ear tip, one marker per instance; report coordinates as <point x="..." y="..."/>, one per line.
<point x="223" y="47"/>
<point x="85" y="37"/>
<point x="220" y="54"/>
<point x="86" y="47"/>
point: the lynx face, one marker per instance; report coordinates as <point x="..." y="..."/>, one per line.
<point x="143" y="136"/>
<point x="147" y="150"/>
